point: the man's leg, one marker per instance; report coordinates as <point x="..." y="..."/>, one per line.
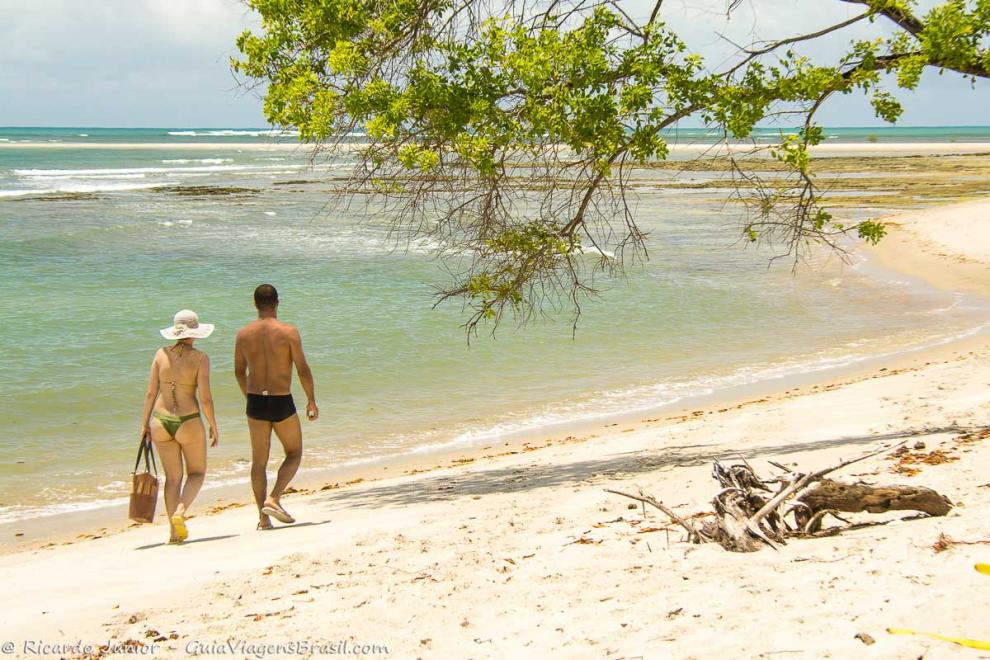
<point x="261" y="439"/>
<point x="289" y="433"/>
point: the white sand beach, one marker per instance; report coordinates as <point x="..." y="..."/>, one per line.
<point x="521" y="553"/>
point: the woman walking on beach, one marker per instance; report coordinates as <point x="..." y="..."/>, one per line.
<point x="178" y="391"/>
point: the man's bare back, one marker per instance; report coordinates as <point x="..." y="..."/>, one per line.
<point x="267" y="347"/>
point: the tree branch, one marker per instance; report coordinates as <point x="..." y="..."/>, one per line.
<point x="896" y="13"/>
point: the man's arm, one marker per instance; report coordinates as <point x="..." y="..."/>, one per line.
<point x="305" y="374"/>
<point x="240" y="365"/>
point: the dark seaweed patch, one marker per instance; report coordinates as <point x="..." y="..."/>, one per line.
<point x="206" y="191"/>
<point x="58" y="197"/>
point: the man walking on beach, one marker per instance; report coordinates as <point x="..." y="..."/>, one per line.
<point x="264" y="353"/>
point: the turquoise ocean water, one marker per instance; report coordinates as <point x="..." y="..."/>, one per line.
<point x="100" y="246"/>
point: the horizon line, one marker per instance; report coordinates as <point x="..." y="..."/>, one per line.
<point x="274" y="128"/>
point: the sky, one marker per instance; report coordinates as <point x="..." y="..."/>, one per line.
<point x="165" y="63"/>
<point x="124" y="63"/>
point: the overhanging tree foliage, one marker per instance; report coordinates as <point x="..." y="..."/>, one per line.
<point x="507" y="131"/>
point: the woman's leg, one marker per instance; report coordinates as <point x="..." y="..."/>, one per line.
<point x="170" y="455"/>
<point x="191" y="438"/>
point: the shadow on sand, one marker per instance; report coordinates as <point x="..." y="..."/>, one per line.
<point x="622" y="466"/>
<point x="298" y="524"/>
<point x="231" y="536"/>
<point x="189" y="542"/>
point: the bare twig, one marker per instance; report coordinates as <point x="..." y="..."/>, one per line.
<point x="693" y="534"/>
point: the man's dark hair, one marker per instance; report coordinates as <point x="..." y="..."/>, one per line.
<point x="265" y="296"/>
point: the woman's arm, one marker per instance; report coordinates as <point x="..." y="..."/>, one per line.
<point x="206" y="398"/>
<point x="149" y="396"/>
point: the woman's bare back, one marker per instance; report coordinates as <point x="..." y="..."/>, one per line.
<point x="178" y="370"/>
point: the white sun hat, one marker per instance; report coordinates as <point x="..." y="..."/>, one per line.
<point x="186" y="324"/>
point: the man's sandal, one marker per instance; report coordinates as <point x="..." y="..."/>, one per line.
<point x="278" y="513"/>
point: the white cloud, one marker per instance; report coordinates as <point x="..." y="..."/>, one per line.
<point x="122" y="62"/>
<point x="165" y="62"/>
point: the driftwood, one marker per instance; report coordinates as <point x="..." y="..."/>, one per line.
<point x="752" y="512"/>
<point x="828" y="495"/>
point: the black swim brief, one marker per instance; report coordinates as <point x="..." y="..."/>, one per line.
<point x="270" y="408"/>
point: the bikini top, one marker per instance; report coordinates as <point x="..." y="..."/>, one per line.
<point x="173" y="383"/>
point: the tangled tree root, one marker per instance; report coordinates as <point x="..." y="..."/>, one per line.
<point x="751" y="512"/>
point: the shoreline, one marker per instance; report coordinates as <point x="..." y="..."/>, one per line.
<point x="110" y="517"/>
<point x="107" y="519"/>
<point x="564" y="568"/>
<point x="898" y="253"/>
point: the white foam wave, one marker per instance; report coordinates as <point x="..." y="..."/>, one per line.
<point x="273" y="132"/>
<point x="942" y="310"/>
<point x="608" y="254"/>
<point x="79" y="189"/>
<point x="64" y="177"/>
<point x="46" y="174"/>
<point x="15" y="513"/>
<point x="205" y="161"/>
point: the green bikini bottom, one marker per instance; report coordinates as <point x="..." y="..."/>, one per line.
<point x="171" y="423"/>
